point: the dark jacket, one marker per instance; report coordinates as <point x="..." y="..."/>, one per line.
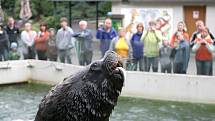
<point x="105" y="38"/>
<point x="4" y="41"/>
<point x="52" y="47"/>
<point x="84" y="39"/>
<point x="13" y="34"/>
<point x="182" y="54"/>
<point x="137" y="46"/>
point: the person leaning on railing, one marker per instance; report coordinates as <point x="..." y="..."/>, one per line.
<point x="84" y="39"/>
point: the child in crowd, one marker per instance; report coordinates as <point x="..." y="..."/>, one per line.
<point x="182" y="54"/>
<point x="14" y="54"/>
<point x="52" y="48"/>
<point x="165" y="57"/>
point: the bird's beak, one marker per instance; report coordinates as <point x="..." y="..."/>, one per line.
<point x="120" y="63"/>
<point x="123" y="72"/>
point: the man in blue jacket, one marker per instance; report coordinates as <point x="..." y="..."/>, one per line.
<point x="105" y="35"/>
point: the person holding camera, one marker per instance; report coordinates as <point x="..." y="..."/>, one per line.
<point x="203" y="47"/>
<point x="151" y="39"/>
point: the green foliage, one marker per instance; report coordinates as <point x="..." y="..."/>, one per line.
<point x="104" y="7"/>
<point x="41" y="7"/>
<point x="83" y="10"/>
<point x="52" y="21"/>
<point x="43" y="10"/>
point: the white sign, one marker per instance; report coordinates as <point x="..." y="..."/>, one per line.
<point x="196" y="14"/>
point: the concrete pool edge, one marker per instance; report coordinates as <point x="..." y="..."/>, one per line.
<point x="170" y="87"/>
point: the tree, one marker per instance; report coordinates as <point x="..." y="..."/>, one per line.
<point x="45" y="8"/>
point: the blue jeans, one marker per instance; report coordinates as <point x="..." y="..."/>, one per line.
<point x="203" y="67"/>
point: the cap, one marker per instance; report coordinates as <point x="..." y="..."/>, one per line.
<point x="13" y="45"/>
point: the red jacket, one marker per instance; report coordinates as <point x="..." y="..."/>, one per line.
<point x="41" y="41"/>
<point x="203" y="54"/>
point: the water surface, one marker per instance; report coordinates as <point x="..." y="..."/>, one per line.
<point x="20" y="103"/>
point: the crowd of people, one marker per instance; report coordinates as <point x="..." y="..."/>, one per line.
<point x="143" y="51"/>
<point x="148" y="46"/>
<point x="47" y="44"/>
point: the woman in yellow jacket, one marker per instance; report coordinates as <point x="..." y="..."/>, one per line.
<point x="121" y="45"/>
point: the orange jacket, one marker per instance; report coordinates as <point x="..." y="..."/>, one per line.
<point x="41" y="41"/>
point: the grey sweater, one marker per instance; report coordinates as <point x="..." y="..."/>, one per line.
<point x="64" y="39"/>
<point x="84" y="38"/>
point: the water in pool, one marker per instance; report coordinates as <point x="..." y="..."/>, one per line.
<point x="20" y="102"/>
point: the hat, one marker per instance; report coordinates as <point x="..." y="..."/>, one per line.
<point x="13" y="45"/>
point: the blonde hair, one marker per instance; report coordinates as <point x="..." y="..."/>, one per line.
<point x="185" y="27"/>
<point x="199" y="22"/>
<point x="121" y="29"/>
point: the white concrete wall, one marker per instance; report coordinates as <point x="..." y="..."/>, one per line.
<point x="51" y="72"/>
<point x="210" y="18"/>
<point x="188" y="88"/>
<point x="14" y="72"/>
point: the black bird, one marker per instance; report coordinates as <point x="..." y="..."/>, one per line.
<point x="89" y="95"/>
